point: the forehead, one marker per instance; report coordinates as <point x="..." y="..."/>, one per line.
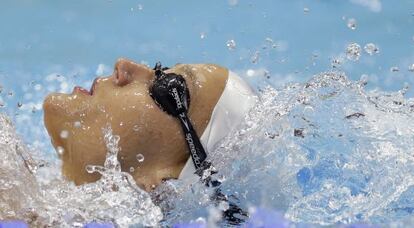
<point x="186" y="70"/>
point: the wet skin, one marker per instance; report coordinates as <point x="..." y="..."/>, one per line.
<point x="122" y="100"/>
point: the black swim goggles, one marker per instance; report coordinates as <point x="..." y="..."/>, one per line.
<point x="171" y="94"/>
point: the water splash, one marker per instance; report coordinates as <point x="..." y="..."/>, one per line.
<point x="114" y="198"/>
<point x="323" y="152"/>
<point x="353" y="52"/>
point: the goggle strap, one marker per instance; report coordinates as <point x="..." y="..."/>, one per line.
<point x="197" y="152"/>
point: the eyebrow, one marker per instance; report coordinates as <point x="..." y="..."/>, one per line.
<point x="187" y="70"/>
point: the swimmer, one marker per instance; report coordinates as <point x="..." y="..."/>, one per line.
<point x="159" y="115"/>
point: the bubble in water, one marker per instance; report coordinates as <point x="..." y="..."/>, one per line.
<point x="77" y="124"/>
<point x="306" y="10"/>
<point x="231" y="45"/>
<point x="352" y="23"/>
<point x="64" y="134"/>
<point x="371" y="49"/>
<point x="19" y="104"/>
<point x="140" y="157"/>
<point x="131" y="169"/>
<point x="140" y="7"/>
<point x="394" y="69"/>
<point x="411" y="68"/>
<point x="255" y="58"/>
<point x="353" y="52"/>
<point x="202" y="35"/>
<point x="60" y="150"/>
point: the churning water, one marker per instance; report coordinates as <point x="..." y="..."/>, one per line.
<point x="322" y="152"/>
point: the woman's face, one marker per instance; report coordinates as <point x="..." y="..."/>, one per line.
<point x="122" y="101"/>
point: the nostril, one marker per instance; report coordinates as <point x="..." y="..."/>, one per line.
<point x="121" y="77"/>
<point x="126" y="71"/>
<point x="116" y="76"/>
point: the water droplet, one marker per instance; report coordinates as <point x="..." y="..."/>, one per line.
<point x="202" y="35"/>
<point x="136" y="127"/>
<point x="353" y="52"/>
<point x="306" y="10"/>
<point x="90" y="168"/>
<point x="37" y="87"/>
<point x="140" y="157"/>
<point x="394" y="69"/>
<point x="60" y="150"/>
<point x="231" y="45"/>
<point x="116" y="138"/>
<point x="77" y="124"/>
<point x="10" y="94"/>
<point x="255" y="58"/>
<point x="336" y="63"/>
<point x="77" y="224"/>
<point x="223" y="206"/>
<point x="352" y="23"/>
<point x="64" y="134"/>
<point x="266" y="74"/>
<point x="250" y="72"/>
<point x="19" y="104"/>
<point x="363" y="80"/>
<point x="131" y="169"/>
<point x="269" y="40"/>
<point x="411" y="68"/>
<point x="371" y="49"/>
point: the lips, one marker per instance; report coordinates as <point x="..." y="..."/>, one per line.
<point x="85" y="91"/>
<point x="81" y="90"/>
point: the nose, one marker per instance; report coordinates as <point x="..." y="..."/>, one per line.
<point x="126" y="71"/>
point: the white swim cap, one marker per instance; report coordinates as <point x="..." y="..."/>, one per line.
<point x="234" y="103"/>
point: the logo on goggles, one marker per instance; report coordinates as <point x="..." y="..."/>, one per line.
<point x="193" y="150"/>
<point x="177" y="98"/>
